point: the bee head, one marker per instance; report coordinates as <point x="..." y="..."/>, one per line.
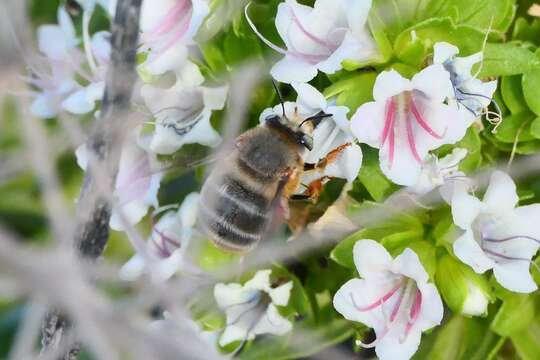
<point x="294" y="132"/>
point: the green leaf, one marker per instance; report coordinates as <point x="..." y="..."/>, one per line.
<point x="513" y="126"/>
<point x="512" y="94"/>
<point x="531" y="89"/>
<point x="464" y="339"/>
<point x="527" y="342"/>
<point x="399" y="228"/>
<point x="508" y="321"/>
<point x="535" y="128"/>
<point x="371" y="176"/>
<point x="525" y="31"/>
<point x="501" y="11"/>
<point x="416" y="42"/>
<point x="352" y="91"/>
<point x="507" y="59"/>
<point x="425" y="251"/>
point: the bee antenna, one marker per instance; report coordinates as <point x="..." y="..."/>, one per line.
<point x="316" y="119"/>
<point x="280" y="97"/>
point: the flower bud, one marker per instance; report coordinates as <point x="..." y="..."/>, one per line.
<point x="464" y="291"/>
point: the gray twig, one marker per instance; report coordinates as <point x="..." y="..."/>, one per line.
<point x="94" y="206"/>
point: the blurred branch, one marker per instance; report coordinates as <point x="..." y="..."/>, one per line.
<point x="94" y="206"/>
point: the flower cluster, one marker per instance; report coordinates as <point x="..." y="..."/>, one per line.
<point x="398" y="112"/>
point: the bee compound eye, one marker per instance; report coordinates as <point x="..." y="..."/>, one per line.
<point x="307" y="141"/>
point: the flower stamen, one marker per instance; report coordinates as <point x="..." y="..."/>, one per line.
<point x="420" y="120"/>
<point x="411" y="141"/>
<point x="378" y="302"/>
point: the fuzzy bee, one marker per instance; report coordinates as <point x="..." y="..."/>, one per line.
<point x="241" y="194"/>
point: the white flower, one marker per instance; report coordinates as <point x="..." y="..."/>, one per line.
<point x="183" y="111"/>
<point x="55" y="81"/>
<point x="320" y="38"/>
<point x="331" y="134"/>
<point x="498" y="235"/>
<point x="408" y="119"/>
<point x="167" y="244"/>
<point x="472" y="94"/>
<point x="443" y="174"/>
<point x="137" y="182"/>
<point x="393" y="297"/>
<point x="168" y="26"/>
<point x="58" y="86"/>
<point x="84" y="100"/>
<point x="251" y="308"/>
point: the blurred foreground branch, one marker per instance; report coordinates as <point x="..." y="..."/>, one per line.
<point x="94" y="206"/>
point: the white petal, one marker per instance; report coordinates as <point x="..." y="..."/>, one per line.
<point x="203" y="133"/>
<point x="50" y="41"/>
<point x="408" y="264"/>
<point x="261" y="281"/>
<point x="465" y="209"/>
<point x="284" y="20"/>
<point x="404" y="168"/>
<point x="44" y="106"/>
<point x="368" y="122"/>
<point x="347" y="165"/>
<point x="392" y="347"/>
<point x="189" y="77"/>
<point x="431" y="311"/>
<point x="133" y="212"/>
<point x="78" y="103"/>
<point x="133" y="269"/>
<point x="81" y="154"/>
<point x="453" y="159"/>
<point x="365" y="293"/>
<point x="501" y="195"/>
<point x="280" y="295"/>
<point x="515" y="276"/>
<point x="65" y="23"/>
<point x="443" y="51"/>
<point x="272" y="323"/>
<point x="199" y="13"/>
<point x="434" y="81"/>
<point x="467" y="250"/>
<point x="349" y="49"/>
<point x="454" y="186"/>
<point x="357" y="13"/>
<point x="94" y="91"/>
<point x="167" y="267"/>
<point x="232" y="294"/>
<point x="234" y="333"/>
<point x="171" y="59"/>
<point x="290" y="69"/>
<point x="309" y="99"/>
<point x="101" y="46"/>
<point x="528" y="217"/>
<point x="463" y="65"/>
<point x="214" y="98"/>
<point x="371" y="258"/>
<point x="165" y="141"/>
<point x="388" y="84"/>
<point x="188" y="210"/>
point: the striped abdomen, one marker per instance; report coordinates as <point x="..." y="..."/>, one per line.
<point x="233" y="213"/>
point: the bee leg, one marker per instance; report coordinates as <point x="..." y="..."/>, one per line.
<point x="330" y="157"/>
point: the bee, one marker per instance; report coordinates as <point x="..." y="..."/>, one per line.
<point x="261" y="172"/>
